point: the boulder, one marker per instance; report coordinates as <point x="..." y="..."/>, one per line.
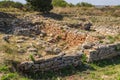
<point x="87" y="26"/>
<point x="42" y="34"/>
<point x="32" y="50"/>
<point x="49" y="50"/>
<point x="88" y="45"/>
<point x="57" y="50"/>
<point x="21" y="51"/>
<point x="20" y="41"/>
<point x="6" y="38"/>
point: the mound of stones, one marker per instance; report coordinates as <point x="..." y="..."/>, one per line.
<point x="26" y="28"/>
<point x="100" y="52"/>
<point x="84" y="26"/>
<point x="107" y="30"/>
<point x="62" y="60"/>
<point x="6" y="15"/>
<point x="5" y="25"/>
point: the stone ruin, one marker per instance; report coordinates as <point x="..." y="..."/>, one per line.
<point x="83" y="44"/>
<point x="77" y="44"/>
<point x="103" y="52"/>
<point x="55" y="63"/>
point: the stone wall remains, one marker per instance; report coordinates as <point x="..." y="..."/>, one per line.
<point x="104" y="52"/>
<point x="55" y="63"/>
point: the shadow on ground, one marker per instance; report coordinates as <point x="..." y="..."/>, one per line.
<point x="106" y="62"/>
<point x="5" y="19"/>
<point x="10" y="24"/>
<point x="53" y="16"/>
<point x="68" y="71"/>
<point x="51" y="75"/>
<point x="6" y="15"/>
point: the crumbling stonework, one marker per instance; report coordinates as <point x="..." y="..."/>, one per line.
<point x="63" y="60"/>
<point x="71" y="38"/>
<point x="55" y="63"/>
<point x="103" y="52"/>
<point x="49" y="38"/>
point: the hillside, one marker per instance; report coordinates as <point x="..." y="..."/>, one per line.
<point x="72" y="43"/>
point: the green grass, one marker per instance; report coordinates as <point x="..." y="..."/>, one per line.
<point x="117" y="48"/>
<point x="8" y="75"/>
<point x="32" y="58"/>
<point x="12" y="76"/>
<point x="111" y="39"/>
<point x="108" y="69"/>
<point x="8" y="48"/>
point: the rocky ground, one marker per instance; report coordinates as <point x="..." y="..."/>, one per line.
<point x="32" y="35"/>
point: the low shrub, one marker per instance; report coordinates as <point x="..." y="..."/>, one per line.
<point x="59" y="3"/>
<point x="84" y="4"/>
<point x="9" y="4"/>
<point x="40" y="5"/>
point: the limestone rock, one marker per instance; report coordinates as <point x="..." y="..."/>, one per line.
<point x="21" y="51"/>
<point x="42" y="34"/>
<point x="20" y="41"/>
<point x="87" y="26"/>
<point x="49" y="50"/>
<point x="6" y="38"/>
<point x="32" y="50"/>
<point x="57" y="50"/>
<point x="88" y="45"/>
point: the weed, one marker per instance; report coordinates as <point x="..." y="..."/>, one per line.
<point x="84" y="58"/>
<point x="32" y="58"/>
<point x="117" y="48"/>
<point x="9" y="76"/>
<point x="101" y="41"/>
<point x="117" y="37"/>
<point x="111" y="39"/>
<point x="109" y="72"/>
<point x="93" y="19"/>
<point x="8" y="49"/>
<point x="4" y="69"/>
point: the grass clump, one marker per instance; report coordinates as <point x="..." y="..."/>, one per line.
<point x="7" y="49"/>
<point x="4" y="68"/>
<point x="32" y="57"/>
<point x="84" y="58"/>
<point x="117" y="48"/>
<point x="9" y="76"/>
<point x="111" y="39"/>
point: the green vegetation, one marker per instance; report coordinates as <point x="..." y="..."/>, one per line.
<point x="4" y="68"/>
<point x="84" y="58"/>
<point x="8" y="49"/>
<point x="32" y="58"/>
<point x="100" y="70"/>
<point x="117" y="48"/>
<point x="108" y="69"/>
<point x="113" y="39"/>
<point x="9" y="4"/>
<point x="118" y="6"/>
<point x="9" y="76"/>
<point x="63" y="3"/>
<point x="59" y="3"/>
<point x="40" y="5"/>
<point x="84" y="4"/>
<point x="71" y="5"/>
